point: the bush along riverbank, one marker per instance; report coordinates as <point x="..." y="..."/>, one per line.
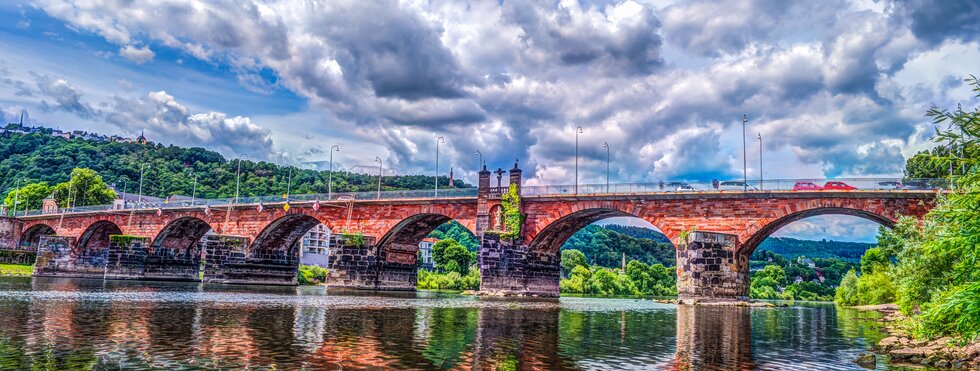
<point x="904" y="349"/>
<point x="311" y="275"/>
<point x="16" y="270"/>
<point x="930" y="268"/>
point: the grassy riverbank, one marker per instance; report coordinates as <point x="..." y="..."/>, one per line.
<point x="16" y="270"/>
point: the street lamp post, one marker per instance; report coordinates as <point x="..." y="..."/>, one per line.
<point x="606" y="146"/>
<point x="289" y="180"/>
<point x="333" y="149"/>
<point x="139" y="198"/>
<point x="578" y="130"/>
<point x="478" y="153"/>
<point x="760" y="161"/>
<point x="238" y="177"/>
<point x="438" y="140"/>
<point x="194" y="191"/>
<point x="745" y="163"/>
<point x="380" y="174"/>
<point x="16" y="196"/>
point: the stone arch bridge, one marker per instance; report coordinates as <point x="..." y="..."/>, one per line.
<point x="376" y="241"/>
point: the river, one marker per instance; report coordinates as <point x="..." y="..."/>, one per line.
<point x="92" y="324"/>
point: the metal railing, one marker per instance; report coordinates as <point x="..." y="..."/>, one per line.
<point x="754" y="186"/>
<point x="737" y="186"/>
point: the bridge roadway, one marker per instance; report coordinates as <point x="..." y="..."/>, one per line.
<point x="376" y="240"/>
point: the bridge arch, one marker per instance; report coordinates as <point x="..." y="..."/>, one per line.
<point x="280" y="240"/>
<point x="181" y="236"/>
<point x="553" y="235"/>
<point x="755" y="234"/>
<point x="31" y="237"/>
<point x="407" y="233"/>
<point x="96" y="236"/>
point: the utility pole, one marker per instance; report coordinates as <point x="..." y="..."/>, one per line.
<point x="139" y="198"/>
<point x="745" y="161"/>
<point x="578" y="130"/>
<point x="333" y="149"/>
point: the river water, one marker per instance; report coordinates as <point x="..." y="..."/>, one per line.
<point x="92" y="324"/>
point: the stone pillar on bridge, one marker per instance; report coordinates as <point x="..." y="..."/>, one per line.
<point x="515" y="177"/>
<point x="709" y="268"/>
<point x="482" y="203"/>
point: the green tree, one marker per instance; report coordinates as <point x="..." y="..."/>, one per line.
<point x="450" y="256"/>
<point x="874" y="260"/>
<point x="774" y="273"/>
<point x="571" y="259"/>
<point x="29" y="197"/>
<point x="847" y="292"/>
<point x="84" y="188"/>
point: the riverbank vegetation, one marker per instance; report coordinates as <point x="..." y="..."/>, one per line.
<point x="931" y="268"/>
<point x="311" y="275"/>
<point x="16" y="270"/>
<point x="775" y="277"/>
<point x="455" y="268"/>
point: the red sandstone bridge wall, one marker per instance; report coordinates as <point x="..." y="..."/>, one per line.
<point x="550" y="220"/>
<point x="372" y="218"/>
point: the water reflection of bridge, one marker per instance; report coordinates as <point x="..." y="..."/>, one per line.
<point x="139" y="327"/>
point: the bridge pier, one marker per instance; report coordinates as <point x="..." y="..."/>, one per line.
<point x="133" y="258"/>
<point x="513" y="269"/>
<point x="57" y="256"/>
<point x="709" y="268"/>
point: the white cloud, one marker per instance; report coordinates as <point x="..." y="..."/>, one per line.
<point x="138" y="55"/>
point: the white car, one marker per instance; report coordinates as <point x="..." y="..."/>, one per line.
<point x="735" y="185"/>
<point x="890" y="186"/>
<point x="685" y="188"/>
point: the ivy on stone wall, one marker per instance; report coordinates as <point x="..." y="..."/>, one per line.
<point x="510" y="202"/>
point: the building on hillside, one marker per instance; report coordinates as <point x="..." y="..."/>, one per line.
<point x="315" y="247"/>
<point x="141" y="139"/>
<point x="425" y="253"/>
<point x="806" y="262"/>
<point x="126" y="200"/>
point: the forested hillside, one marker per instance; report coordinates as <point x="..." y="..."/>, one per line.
<point x="604" y="246"/>
<point x="172" y="170"/>
<point x="792" y="248"/>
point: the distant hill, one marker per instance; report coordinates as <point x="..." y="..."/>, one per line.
<point x="604" y="245"/>
<point x="792" y="248"/>
<point x="638" y="232"/>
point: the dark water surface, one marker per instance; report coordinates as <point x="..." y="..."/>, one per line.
<point x="90" y="324"/>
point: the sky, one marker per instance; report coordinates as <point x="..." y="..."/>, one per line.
<point x="836" y="88"/>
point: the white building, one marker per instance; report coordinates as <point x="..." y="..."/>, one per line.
<point x="315" y="247"/>
<point x="425" y="253"/>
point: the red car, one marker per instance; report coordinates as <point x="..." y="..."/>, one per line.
<point x="838" y="186"/>
<point x="806" y="186"/>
